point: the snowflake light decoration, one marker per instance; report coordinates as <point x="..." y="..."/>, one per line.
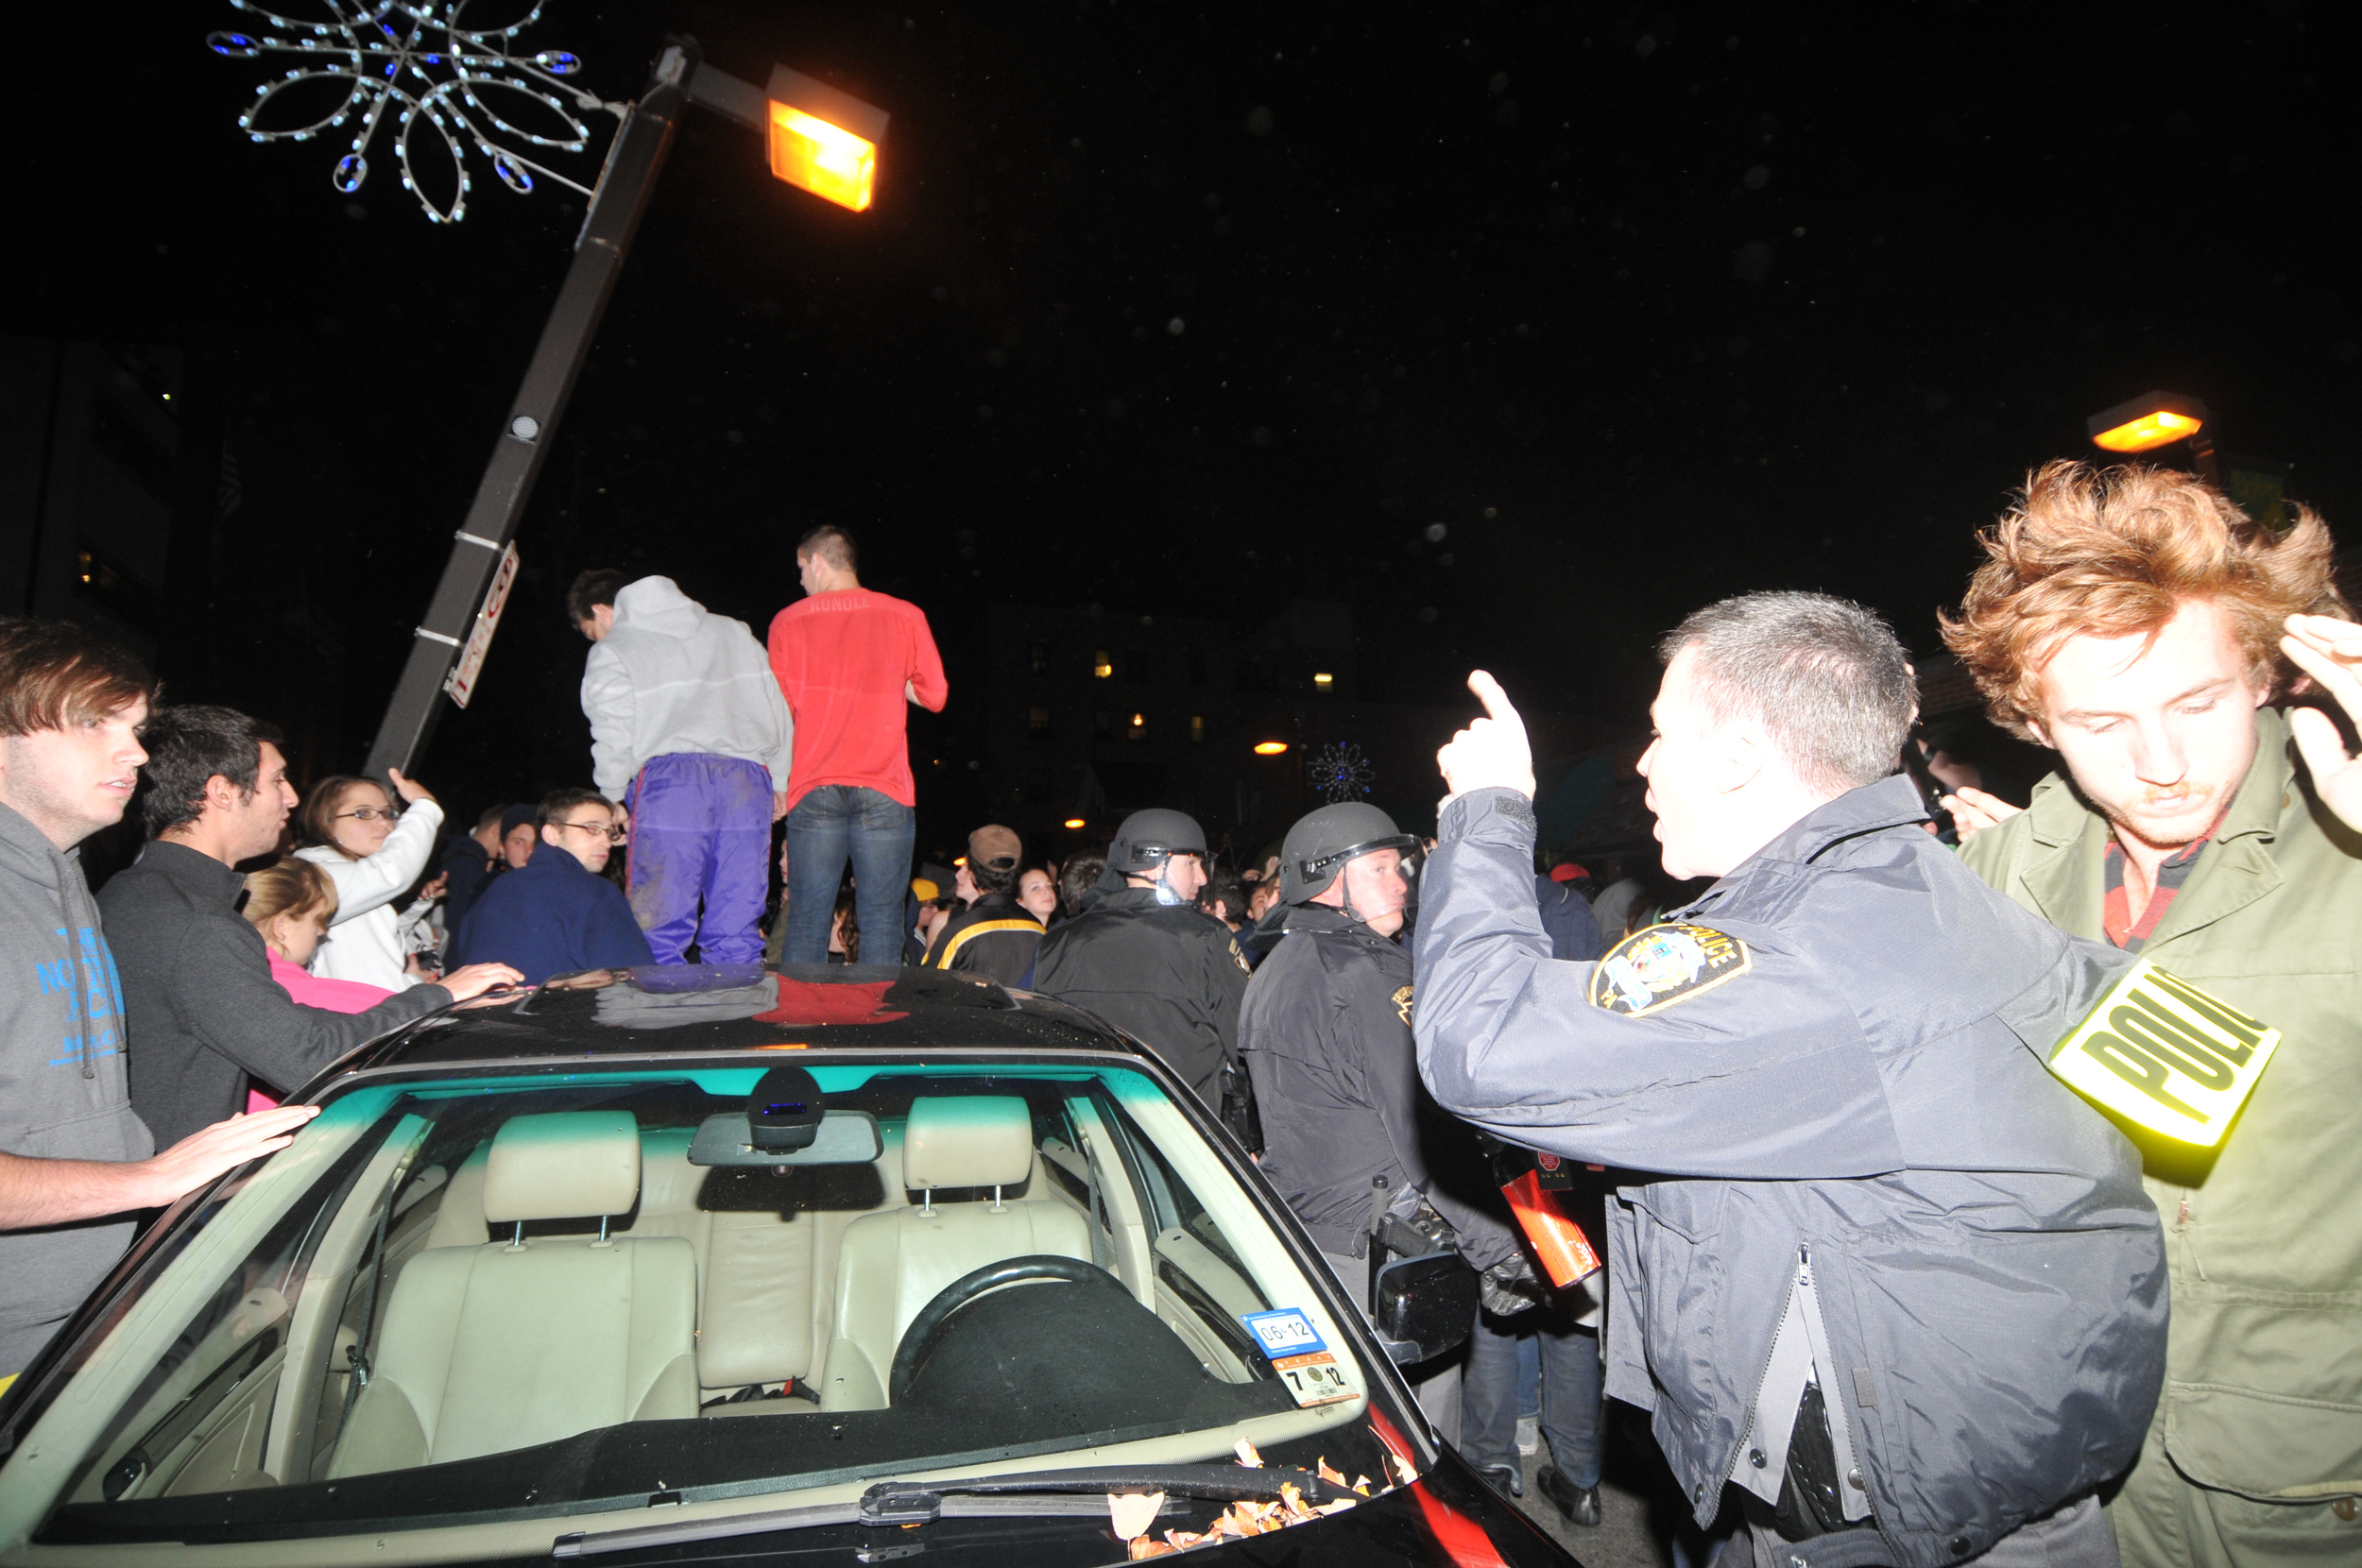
<point x="416" y="63"/>
<point x="1340" y="771"/>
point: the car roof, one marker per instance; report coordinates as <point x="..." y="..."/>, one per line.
<point x="701" y="1009"/>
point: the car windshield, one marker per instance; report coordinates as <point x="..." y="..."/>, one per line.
<point x="528" y="1293"/>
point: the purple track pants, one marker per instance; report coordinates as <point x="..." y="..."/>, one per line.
<point x="700" y="856"/>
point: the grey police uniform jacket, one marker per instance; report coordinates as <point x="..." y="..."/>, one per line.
<point x="1326" y="1035"/>
<point x="1860" y="1086"/>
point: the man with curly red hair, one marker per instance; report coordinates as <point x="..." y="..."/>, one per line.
<point x="2176" y="655"/>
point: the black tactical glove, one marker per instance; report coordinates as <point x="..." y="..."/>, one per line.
<point x="1510" y="1287"/>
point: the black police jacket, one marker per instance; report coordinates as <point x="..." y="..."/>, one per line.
<point x="1326" y="1034"/>
<point x="1836" y="1058"/>
<point x="1167" y="974"/>
<point x="994" y="937"/>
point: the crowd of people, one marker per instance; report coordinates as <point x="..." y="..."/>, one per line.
<point x="1919" y="1247"/>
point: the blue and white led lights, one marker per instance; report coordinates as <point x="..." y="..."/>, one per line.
<point x="416" y="63"/>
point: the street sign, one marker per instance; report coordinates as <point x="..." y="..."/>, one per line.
<point x="463" y="678"/>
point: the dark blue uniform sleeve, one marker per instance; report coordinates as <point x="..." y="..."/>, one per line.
<point x="1765" y="1076"/>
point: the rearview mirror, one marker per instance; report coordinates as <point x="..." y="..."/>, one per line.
<point x="1424" y="1306"/>
<point x="842" y="1137"/>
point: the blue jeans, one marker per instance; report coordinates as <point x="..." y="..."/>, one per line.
<point x="1572" y="1384"/>
<point x="833" y="824"/>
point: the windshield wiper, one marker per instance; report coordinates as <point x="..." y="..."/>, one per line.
<point x="1035" y="1493"/>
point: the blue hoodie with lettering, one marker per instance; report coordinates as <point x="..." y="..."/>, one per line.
<point x="63" y="1091"/>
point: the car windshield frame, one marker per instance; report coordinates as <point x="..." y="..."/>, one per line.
<point x="339" y="1147"/>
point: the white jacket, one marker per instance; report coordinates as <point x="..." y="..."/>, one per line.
<point x="369" y="941"/>
<point x="669" y="677"/>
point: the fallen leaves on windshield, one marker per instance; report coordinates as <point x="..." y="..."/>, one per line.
<point x="1134" y="1513"/>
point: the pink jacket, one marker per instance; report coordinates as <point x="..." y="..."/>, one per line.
<point x="331" y="995"/>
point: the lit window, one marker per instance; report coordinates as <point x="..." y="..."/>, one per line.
<point x="1102" y="665"/>
<point x="1137" y="728"/>
<point x="1042" y="658"/>
<point x="1324" y="681"/>
<point x="1197" y="727"/>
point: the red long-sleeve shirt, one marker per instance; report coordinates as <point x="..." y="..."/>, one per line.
<point x="843" y="659"/>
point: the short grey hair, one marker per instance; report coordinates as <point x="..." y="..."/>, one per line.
<point x="1827" y="679"/>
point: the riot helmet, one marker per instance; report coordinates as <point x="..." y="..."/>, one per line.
<point x="1146" y="841"/>
<point x="1318" y="847"/>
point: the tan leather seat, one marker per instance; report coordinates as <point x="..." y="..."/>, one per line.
<point x="506" y="1344"/>
<point x="892" y="1263"/>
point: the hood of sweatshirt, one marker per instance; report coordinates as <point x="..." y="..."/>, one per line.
<point x="656" y="605"/>
<point x="49" y="938"/>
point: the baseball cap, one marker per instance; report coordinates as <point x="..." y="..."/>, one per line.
<point x="1568" y="871"/>
<point x="994" y="845"/>
<point x="520" y="815"/>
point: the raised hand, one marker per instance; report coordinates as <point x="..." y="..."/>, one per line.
<point x="2330" y="650"/>
<point x="1493" y="752"/>
<point x="1974" y="811"/>
<point x="411" y="791"/>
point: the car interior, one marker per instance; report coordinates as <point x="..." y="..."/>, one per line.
<point x="489" y="1271"/>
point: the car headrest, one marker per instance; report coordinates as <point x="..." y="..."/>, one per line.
<point x="967" y="1141"/>
<point x="563" y="1164"/>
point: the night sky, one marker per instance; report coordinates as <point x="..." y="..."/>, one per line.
<point x="1524" y="328"/>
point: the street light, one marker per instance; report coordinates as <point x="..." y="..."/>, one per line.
<point x="2156" y="419"/>
<point x="823" y="140"/>
<point x="1270" y="748"/>
<point x="1074" y="822"/>
<point x="416" y="72"/>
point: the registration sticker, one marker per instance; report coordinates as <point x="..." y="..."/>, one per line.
<point x="2158" y="1051"/>
<point x="1313" y="1379"/>
<point x="1285" y="1332"/>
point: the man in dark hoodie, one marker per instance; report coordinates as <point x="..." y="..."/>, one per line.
<point x="200" y="1001"/>
<point x="75" y="1162"/>
<point x="559" y="915"/>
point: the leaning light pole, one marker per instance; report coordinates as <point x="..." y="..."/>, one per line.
<point x="411" y="73"/>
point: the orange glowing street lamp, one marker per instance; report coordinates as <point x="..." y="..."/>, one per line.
<point x="1074" y="822"/>
<point x="2156" y="419"/>
<point x="822" y="140"/>
<point x="1270" y="748"/>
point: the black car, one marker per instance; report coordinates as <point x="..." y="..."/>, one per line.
<point x="709" y="1265"/>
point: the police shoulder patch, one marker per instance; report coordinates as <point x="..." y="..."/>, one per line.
<point x="1660" y="965"/>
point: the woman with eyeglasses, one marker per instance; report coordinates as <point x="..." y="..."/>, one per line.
<point x="374" y="852"/>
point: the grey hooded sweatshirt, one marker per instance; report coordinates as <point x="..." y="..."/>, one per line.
<point x="63" y="1092"/>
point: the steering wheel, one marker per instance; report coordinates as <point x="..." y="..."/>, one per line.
<point x="918" y="1340"/>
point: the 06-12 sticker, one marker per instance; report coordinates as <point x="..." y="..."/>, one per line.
<point x="1299" y="1356"/>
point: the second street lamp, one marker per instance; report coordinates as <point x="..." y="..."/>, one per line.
<point x="2156" y="419"/>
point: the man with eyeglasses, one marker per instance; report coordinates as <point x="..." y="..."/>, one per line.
<point x="557" y="914"/>
<point x="1142" y="956"/>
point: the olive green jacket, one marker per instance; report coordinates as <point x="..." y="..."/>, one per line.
<point x="2263" y="1235"/>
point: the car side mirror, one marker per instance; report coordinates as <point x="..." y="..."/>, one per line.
<point x="1424" y="1306"/>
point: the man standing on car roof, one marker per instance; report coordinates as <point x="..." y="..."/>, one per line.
<point x="1326" y="1035"/>
<point x="1897" y="1286"/>
<point x="1143" y="956"/>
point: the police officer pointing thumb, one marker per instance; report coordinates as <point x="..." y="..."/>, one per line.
<point x="1897" y="1284"/>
